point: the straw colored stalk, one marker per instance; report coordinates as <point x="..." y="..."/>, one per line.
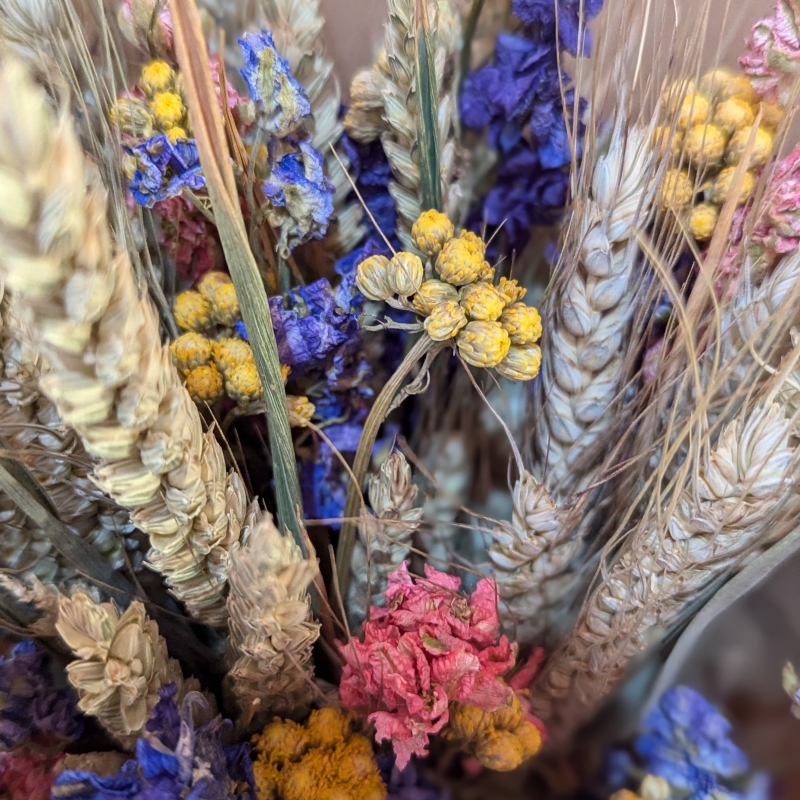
<point x="110" y="378"/>
<point x="385" y="104"/>
<point x="271" y="627"/>
<point x="743" y="499"/>
<point x="297" y="31"/>
<point x="385" y="536"/>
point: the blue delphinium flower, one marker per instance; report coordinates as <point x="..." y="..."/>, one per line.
<point x="163" y="169"/>
<point x="542" y="15"/>
<point x="281" y="100"/>
<point x="32" y="710"/>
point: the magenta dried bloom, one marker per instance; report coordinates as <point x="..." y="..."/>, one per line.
<point x="187" y="236"/>
<point x="778" y="229"/>
<point x="425" y="648"/>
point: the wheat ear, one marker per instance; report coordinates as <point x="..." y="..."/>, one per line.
<point x="110" y="378"/>
<point x="742" y="499"/>
<point x="271" y="628"/>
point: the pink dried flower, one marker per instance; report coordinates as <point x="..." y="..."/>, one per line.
<point x="187" y="236"/>
<point x="235" y="100"/>
<point x="428" y="646"/>
<point x="772" y="59"/>
<point x="26" y="775"/>
<point x="778" y="229"/>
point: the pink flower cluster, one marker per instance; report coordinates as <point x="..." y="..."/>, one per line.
<point x="428" y="646"/>
<point x="778" y="229"/>
<point x="772" y="59"/>
<point x="187" y="237"/>
<point x="27" y="775"/>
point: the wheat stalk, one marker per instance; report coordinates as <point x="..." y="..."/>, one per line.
<point x="110" y="377"/>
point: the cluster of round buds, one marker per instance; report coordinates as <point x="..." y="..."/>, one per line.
<point x="705" y="131"/>
<point x="487" y="321"/>
<point x="214" y="361"/>
<point x="162" y="110"/>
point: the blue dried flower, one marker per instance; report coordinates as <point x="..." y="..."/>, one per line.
<point x="31" y="708"/>
<point x="281" y="100"/>
<point x="540" y="15"/>
<point x="163" y="169"/>
<point x="408" y="784"/>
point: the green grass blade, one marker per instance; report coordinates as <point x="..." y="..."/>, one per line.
<point x="469" y="34"/>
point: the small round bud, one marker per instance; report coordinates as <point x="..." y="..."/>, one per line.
<point x="430" y="293"/>
<point x="521" y="363"/>
<point x="132" y="116"/>
<point x="445" y="321"/>
<point x="229" y="353"/>
<point x="300" y="410"/>
<point x="204" y="384"/>
<point x="715" y="81"/>
<point x="694" y="109"/>
<point x="482" y="301"/>
<point x="523" y="324"/>
<point x="157" y="76"/>
<point x="371" y="278"/>
<point x="667" y="142"/>
<point x="430" y="232"/>
<point x="243" y="384"/>
<point x="501" y="751"/>
<point x="771" y="115"/>
<point x="762" y="147"/>
<point x="530" y="736"/>
<point x="404" y="274"/>
<point x="703" y="220"/>
<point x="677" y="189"/>
<point x="739" y="86"/>
<point x="190" y="350"/>
<point x="675" y="93"/>
<point x="459" y="263"/>
<point x="483" y="344"/>
<point x="192" y="311"/>
<point x="510" y="290"/>
<point x="176" y="134"/>
<point x="210" y="282"/>
<point x="734" y="113"/>
<point x="225" y="305"/>
<point x="704" y="145"/>
<point x="474" y="242"/>
<point x="168" y="110"/>
<point x="723" y="184"/>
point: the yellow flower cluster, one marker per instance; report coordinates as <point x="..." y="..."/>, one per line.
<point x="224" y="365"/>
<point x="163" y="109"/>
<point x="321" y="760"/>
<point x="705" y="130"/>
<point x="500" y="740"/>
<point x="489" y="324"/>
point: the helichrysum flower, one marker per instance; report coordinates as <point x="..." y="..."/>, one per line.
<point x="521" y="363"/>
<point x="229" y="353"/>
<point x="510" y="290"/>
<point x="432" y="292"/>
<point x="762" y="147"/>
<point x="723" y="184"/>
<point x="481" y="301"/>
<point x="211" y="282"/>
<point x="132" y="116"/>
<point x="190" y="350"/>
<point x="483" y="344"/>
<point x="668" y="142"/>
<point x="404" y="274"/>
<point x="168" y="109"/>
<point x="445" y="320"/>
<point x="204" y="384"/>
<point x="300" y="407"/>
<point x="431" y="231"/>
<point x="192" y="311"/>
<point x="734" y="113"/>
<point x="372" y="278"/>
<point x="704" y="145"/>
<point x="174" y="135"/>
<point x="243" y="384"/>
<point x="225" y="305"/>
<point x="156" y="76"/>
<point x="459" y="263"/>
<point x="677" y="190"/>
<point x="693" y="110"/>
<point x="523" y="324"/>
<point x="703" y="220"/>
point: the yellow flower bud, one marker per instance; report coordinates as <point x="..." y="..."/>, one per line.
<point x="445" y="320"/>
<point x="482" y="301"/>
<point x="474" y="242"/>
<point x="677" y="189"/>
<point x="739" y="86"/>
<point x="176" y="133"/>
<point x="501" y="751"/>
<point x="190" y="350"/>
<point x="132" y="116"/>
<point x="192" y="311"/>
<point x="243" y="384"/>
<point x="721" y="188"/>
<point x="762" y="147"/>
<point x="521" y="363"/>
<point x="459" y="263"/>
<point x="694" y="109"/>
<point x="523" y="323"/>
<point x="530" y="737"/>
<point x="157" y="76"/>
<point x="510" y="290"/>
<point x="229" y="353"/>
<point x="483" y="344"/>
<point x="486" y="275"/>
<point x="715" y="81"/>
<point x="430" y="293"/>
<point x="168" y="110"/>
<point x="404" y="274"/>
<point x="771" y="115"/>
<point x="703" y="220"/>
<point x="467" y="722"/>
<point x="734" y="113"/>
<point x="300" y="410"/>
<point x="667" y="142"/>
<point x="674" y="94"/>
<point x="430" y="232"/>
<point x="509" y="717"/>
<point x="225" y="305"/>
<point x="327" y="727"/>
<point x="204" y="384"/>
<point x="211" y="281"/>
<point x="372" y="279"/>
<point x="704" y="145"/>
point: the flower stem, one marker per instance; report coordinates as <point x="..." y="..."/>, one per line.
<point x="380" y="409"/>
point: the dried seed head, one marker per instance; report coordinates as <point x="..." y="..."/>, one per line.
<point x="703" y="220"/>
<point x="243" y="384"/>
<point x="762" y="147"/>
<point x="372" y="278"/>
<point x="483" y="344"/>
<point x="132" y="116"/>
<point x="521" y="363"/>
<point x="204" y="384"/>
<point x="229" y="353"/>
<point x="704" y="145"/>
<point x="677" y="190"/>
<point x="481" y="301"/>
<point x="459" y="263"/>
<point x="445" y="320"/>
<point x="723" y="184"/>
<point x="510" y="290"/>
<point x="432" y="292"/>
<point x="693" y="110"/>
<point x="192" y="311"/>
<point x="225" y="305"/>
<point x="190" y="350"/>
<point x="392" y="492"/>
<point x="404" y="274"/>
<point x="523" y="323"/>
<point x="431" y="231"/>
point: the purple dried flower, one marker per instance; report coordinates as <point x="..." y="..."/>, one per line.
<point x="163" y="169"/>
<point x="408" y="784"/>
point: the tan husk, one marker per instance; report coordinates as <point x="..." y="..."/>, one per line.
<point x="110" y="377"/>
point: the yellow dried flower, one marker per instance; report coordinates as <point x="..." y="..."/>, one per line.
<point x="327" y="727"/>
<point x="674" y="93"/>
<point x="721" y="187"/>
<point x="487" y="273"/>
<point x="230" y="353"/>
<point x="483" y="344"/>
<point x="168" y="110"/>
<point x="211" y="281"/>
<point x="715" y="81"/>
<point x="501" y="751"/>
<point x="285" y="370"/>
<point x="192" y="311"/>
<point x="510" y="290"/>
<point x="190" y="350"/>
<point x="771" y="115"/>
<point x="521" y="363"/>
<point x="204" y="384"/>
<point x="176" y="133"/>
<point x="734" y="113"/>
<point x="372" y="278"/>
<point x="300" y="408"/>
<point x="445" y="320"/>
<point x="523" y="323"/>
<point x="157" y="76"/>
<point x="482" y="301"/>
<point x="703" y="220"/>
<point x="225" y="305"/>
<point x="430" y="293"/>
<point x="530" y="736"/>
<point x="132" y="116"/>
<point x="243" y="384"/>
<point x="404" y="274"/>
<point x="459" y="263"/>
<point x="705" y="145"/>
<point x="677" y="189"/>
<point x="473" y="242"/>
<point x="668" y="142"/>
<point x="694" y="109"/>
<point x="467" y="722"/>
<point x="430" y="232"/>
<point x="739" y="86"/>
<point x="762" y="147"/>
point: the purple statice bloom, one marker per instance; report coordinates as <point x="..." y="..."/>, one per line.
<point x="32" y="710"/>
<point x="408" y="784"/>
<point x="163" y="169"/>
